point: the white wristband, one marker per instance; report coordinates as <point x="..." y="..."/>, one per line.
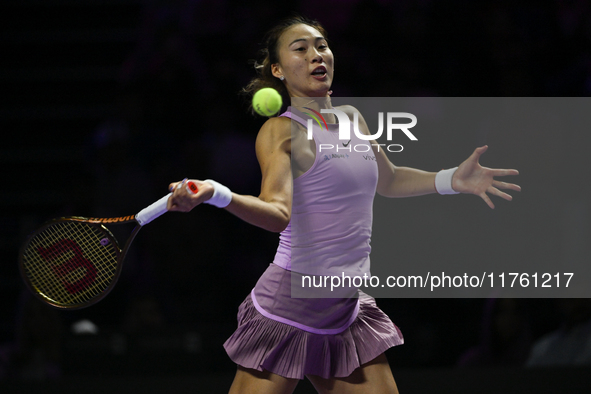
<point x="222" y="196"/>
<point x="443" y="181"/>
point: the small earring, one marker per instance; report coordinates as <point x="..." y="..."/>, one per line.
<point x="281" y="78"/>
<point x="329" y="92"/>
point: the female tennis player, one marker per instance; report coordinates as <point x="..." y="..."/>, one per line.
<point x="337" y="343"/>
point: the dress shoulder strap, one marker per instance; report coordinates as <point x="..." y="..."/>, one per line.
<point x="290" y="114"/>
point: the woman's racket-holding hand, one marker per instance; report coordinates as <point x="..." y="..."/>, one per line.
<point x="472" y="178"/>
<point x="184" y="199"/>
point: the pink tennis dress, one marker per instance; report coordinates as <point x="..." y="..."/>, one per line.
<point x="329" y="234"/>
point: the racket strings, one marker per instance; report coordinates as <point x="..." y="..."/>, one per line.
<point x="70" y="263"/>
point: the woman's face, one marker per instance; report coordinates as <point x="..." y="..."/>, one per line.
<point x="305" y="61"/>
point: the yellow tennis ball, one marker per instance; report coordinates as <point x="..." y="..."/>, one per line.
<point x="267" y="102"/>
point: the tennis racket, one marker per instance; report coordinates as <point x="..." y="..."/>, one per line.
<point x="74" y="262"/>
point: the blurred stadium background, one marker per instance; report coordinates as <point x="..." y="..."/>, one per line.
<point x="104" y="102"/>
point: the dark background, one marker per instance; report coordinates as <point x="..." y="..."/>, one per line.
<point x="106" y="102"/>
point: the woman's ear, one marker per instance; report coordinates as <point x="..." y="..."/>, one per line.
<point x="276" y="70"/>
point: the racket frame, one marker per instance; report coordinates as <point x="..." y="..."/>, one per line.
<point x="97" y="223"/>
<point x="142" y="218"/>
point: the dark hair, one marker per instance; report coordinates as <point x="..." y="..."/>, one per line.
<point x="270" y="55"/>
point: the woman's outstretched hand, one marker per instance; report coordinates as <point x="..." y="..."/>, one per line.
<point x="472" y="178"/>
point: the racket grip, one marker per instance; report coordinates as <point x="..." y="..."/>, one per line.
<point x="153" y="211"/>
<point x="158" y="208"/>
<point x="192" y="187"/>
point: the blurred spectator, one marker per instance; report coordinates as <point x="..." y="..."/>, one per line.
<point x="37" y="350"/>
<point x="144" y="316"/>
<point x="571" y="343"/>
<point x="504" y="337"/>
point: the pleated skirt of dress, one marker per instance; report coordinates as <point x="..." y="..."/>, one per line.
<point x="264" y="344"/>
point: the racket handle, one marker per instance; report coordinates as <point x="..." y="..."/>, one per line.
<point x="158" y="208"/>
<point x="192" y="187"/>
<point x="153" y="211"/>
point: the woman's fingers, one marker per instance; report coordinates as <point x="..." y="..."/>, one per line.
<point x="487" y="200"/>
<point x="504" y="172"/>
<point x="506" y="185"/>
<point x="179" y="201"/>
<point x="475" y="156"/>
<point x="496" y="192"/>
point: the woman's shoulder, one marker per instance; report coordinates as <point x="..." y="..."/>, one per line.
<point x="348" y="109"/>
<point x="274" y="129"/>
<point x="276" y="124"/>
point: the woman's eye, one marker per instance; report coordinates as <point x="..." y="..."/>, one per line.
<point x="301" y="49"/>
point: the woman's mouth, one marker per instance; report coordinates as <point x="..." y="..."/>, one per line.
<point x="319" y="73"/>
